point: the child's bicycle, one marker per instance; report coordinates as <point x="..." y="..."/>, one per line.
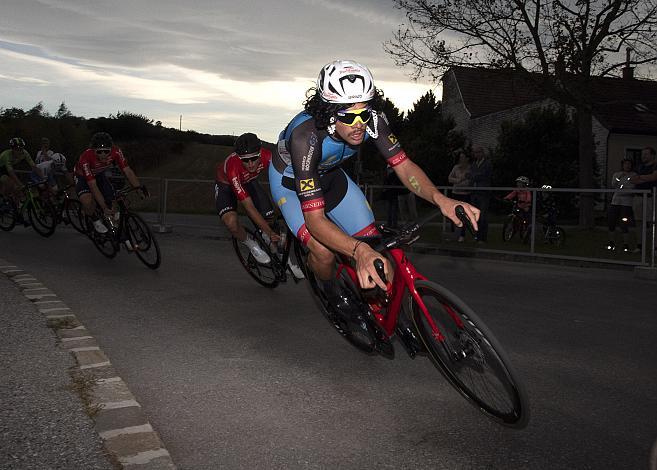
<point x="516" y="222"/>
<point x="428" y="319"/>
<point x="33" y="210"/>
<point x="125" y="228"/>
<point x="277" y="270"/>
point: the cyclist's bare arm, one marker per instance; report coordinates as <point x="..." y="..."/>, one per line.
<point x="331" y="236"/>
<point x="257" y="218"/>
<point x="419" y="183"/>
<point x="132" y="178"/>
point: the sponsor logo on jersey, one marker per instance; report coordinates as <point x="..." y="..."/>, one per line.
<point x="312" y="205"/>
<point x="305" y="162"/>
<point x="281" y="201"/>
<point x="307" y="185"/>
<point x="397" y="159"/>
<point x="313" y="139"/>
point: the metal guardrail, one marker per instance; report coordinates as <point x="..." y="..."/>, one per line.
<point x="647" y="220"/>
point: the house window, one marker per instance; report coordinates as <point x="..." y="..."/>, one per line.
<point x="634" y="155"/>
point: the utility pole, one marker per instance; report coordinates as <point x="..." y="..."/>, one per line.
<point x="180" y="128"/>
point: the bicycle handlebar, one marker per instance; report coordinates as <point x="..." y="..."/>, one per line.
<point x="407" y="234"/>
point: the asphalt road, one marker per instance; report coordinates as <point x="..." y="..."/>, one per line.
<point x="236" y="376"/>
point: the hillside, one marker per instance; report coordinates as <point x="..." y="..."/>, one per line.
<point x="196" y="161"/>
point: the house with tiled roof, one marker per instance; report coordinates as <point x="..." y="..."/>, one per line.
<point x="624" y="109"/>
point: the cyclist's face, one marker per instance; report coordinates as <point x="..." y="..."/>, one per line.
<point x="102" y="154"/>
<point x="250" y="161"/>
<point x="355" y="133"/>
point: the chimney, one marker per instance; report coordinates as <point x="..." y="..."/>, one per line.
<point x="628" y="72"/>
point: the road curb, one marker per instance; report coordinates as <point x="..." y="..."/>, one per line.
<point x="118" y="418"/>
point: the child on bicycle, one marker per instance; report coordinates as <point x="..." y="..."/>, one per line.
<point x="522" y="197"/>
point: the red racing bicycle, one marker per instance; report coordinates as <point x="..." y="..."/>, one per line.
<point x="428" y="320"/>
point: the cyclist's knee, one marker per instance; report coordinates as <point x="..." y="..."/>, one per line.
<point x="230" y="221"/>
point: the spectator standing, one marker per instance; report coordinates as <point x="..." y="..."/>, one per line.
<point x="459" y="177"/>
<point x="481" y="172"/>
<point x="620" y="210"/>
<point x="407" y="205"/>
<point x="392" y="195"/>
<point x="646" y="179"/>
<point x="44" y="153"/>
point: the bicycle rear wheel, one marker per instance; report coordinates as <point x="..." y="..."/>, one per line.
<point x="7" y="214"/>
<point x="264" y="274"/>
<point x="469" y="356"/>
<point x="43" y="217"/>
<point x="141" y="237"/>
<point x="508" y="230"/>
<point x="556" y="235"/>
<point x="73" y="214"/>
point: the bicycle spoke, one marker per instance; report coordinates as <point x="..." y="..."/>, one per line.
<point x="264" y="274"/>
<point x="469" y="356"/>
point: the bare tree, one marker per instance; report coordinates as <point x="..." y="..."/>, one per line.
<point x="560" y="45"/>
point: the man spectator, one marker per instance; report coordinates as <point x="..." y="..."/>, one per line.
<point x="646" y="179"/>
<point x="481" y="172"/>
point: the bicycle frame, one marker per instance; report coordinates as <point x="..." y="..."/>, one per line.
<point x="405" y="276"/>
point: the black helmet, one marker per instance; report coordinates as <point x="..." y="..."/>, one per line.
<point x="247" y="143"/>
<point x="101" y="140"/>
<point x="16" y="143"/>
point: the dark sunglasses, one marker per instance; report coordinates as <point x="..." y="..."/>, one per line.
<point x="103" y="151"/>
<point x="351" y="117"/>
<point x="246" y="159"/>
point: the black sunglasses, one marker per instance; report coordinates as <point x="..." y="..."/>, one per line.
<point x="103" y="151"/>
<point x="250" y="159"/>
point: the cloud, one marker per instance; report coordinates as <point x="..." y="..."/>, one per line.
<point x="223" y="65"/>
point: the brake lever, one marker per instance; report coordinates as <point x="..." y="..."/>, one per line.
<point x="465" y="220"/>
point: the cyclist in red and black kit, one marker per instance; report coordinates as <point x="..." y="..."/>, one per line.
<point x="236" y="180"/>
<point x="91" y="183"/>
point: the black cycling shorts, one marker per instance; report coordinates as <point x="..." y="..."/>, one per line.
<point x="226" y="200"/>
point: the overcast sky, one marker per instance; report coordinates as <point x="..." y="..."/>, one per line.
<point x="226" y="66"/>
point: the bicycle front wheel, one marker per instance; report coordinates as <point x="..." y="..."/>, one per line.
<point x="508" y="230"/>
<point x="7" y="214"/>
<point x="104" y="242"/>
<point x="469" y="356"/>
<point x="144" y="243"/>
<point x="43" y="217"/>
<point x="73" y="213"/>
<point x="264" y="274"/>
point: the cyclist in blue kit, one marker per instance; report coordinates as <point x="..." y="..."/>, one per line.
<point x="322" y="206"/>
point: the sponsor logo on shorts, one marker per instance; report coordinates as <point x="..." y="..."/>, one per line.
<point x="281" y="201"/>
<point x="393" y="139"/>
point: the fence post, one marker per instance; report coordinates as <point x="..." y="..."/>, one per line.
<point x="532" y="245"/>
<point x="162" y="227"/>
<point x="654" y="219"/>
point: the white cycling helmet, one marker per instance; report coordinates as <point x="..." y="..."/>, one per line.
<point x="345" y="82"/>
<point x="523" y="180"/>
